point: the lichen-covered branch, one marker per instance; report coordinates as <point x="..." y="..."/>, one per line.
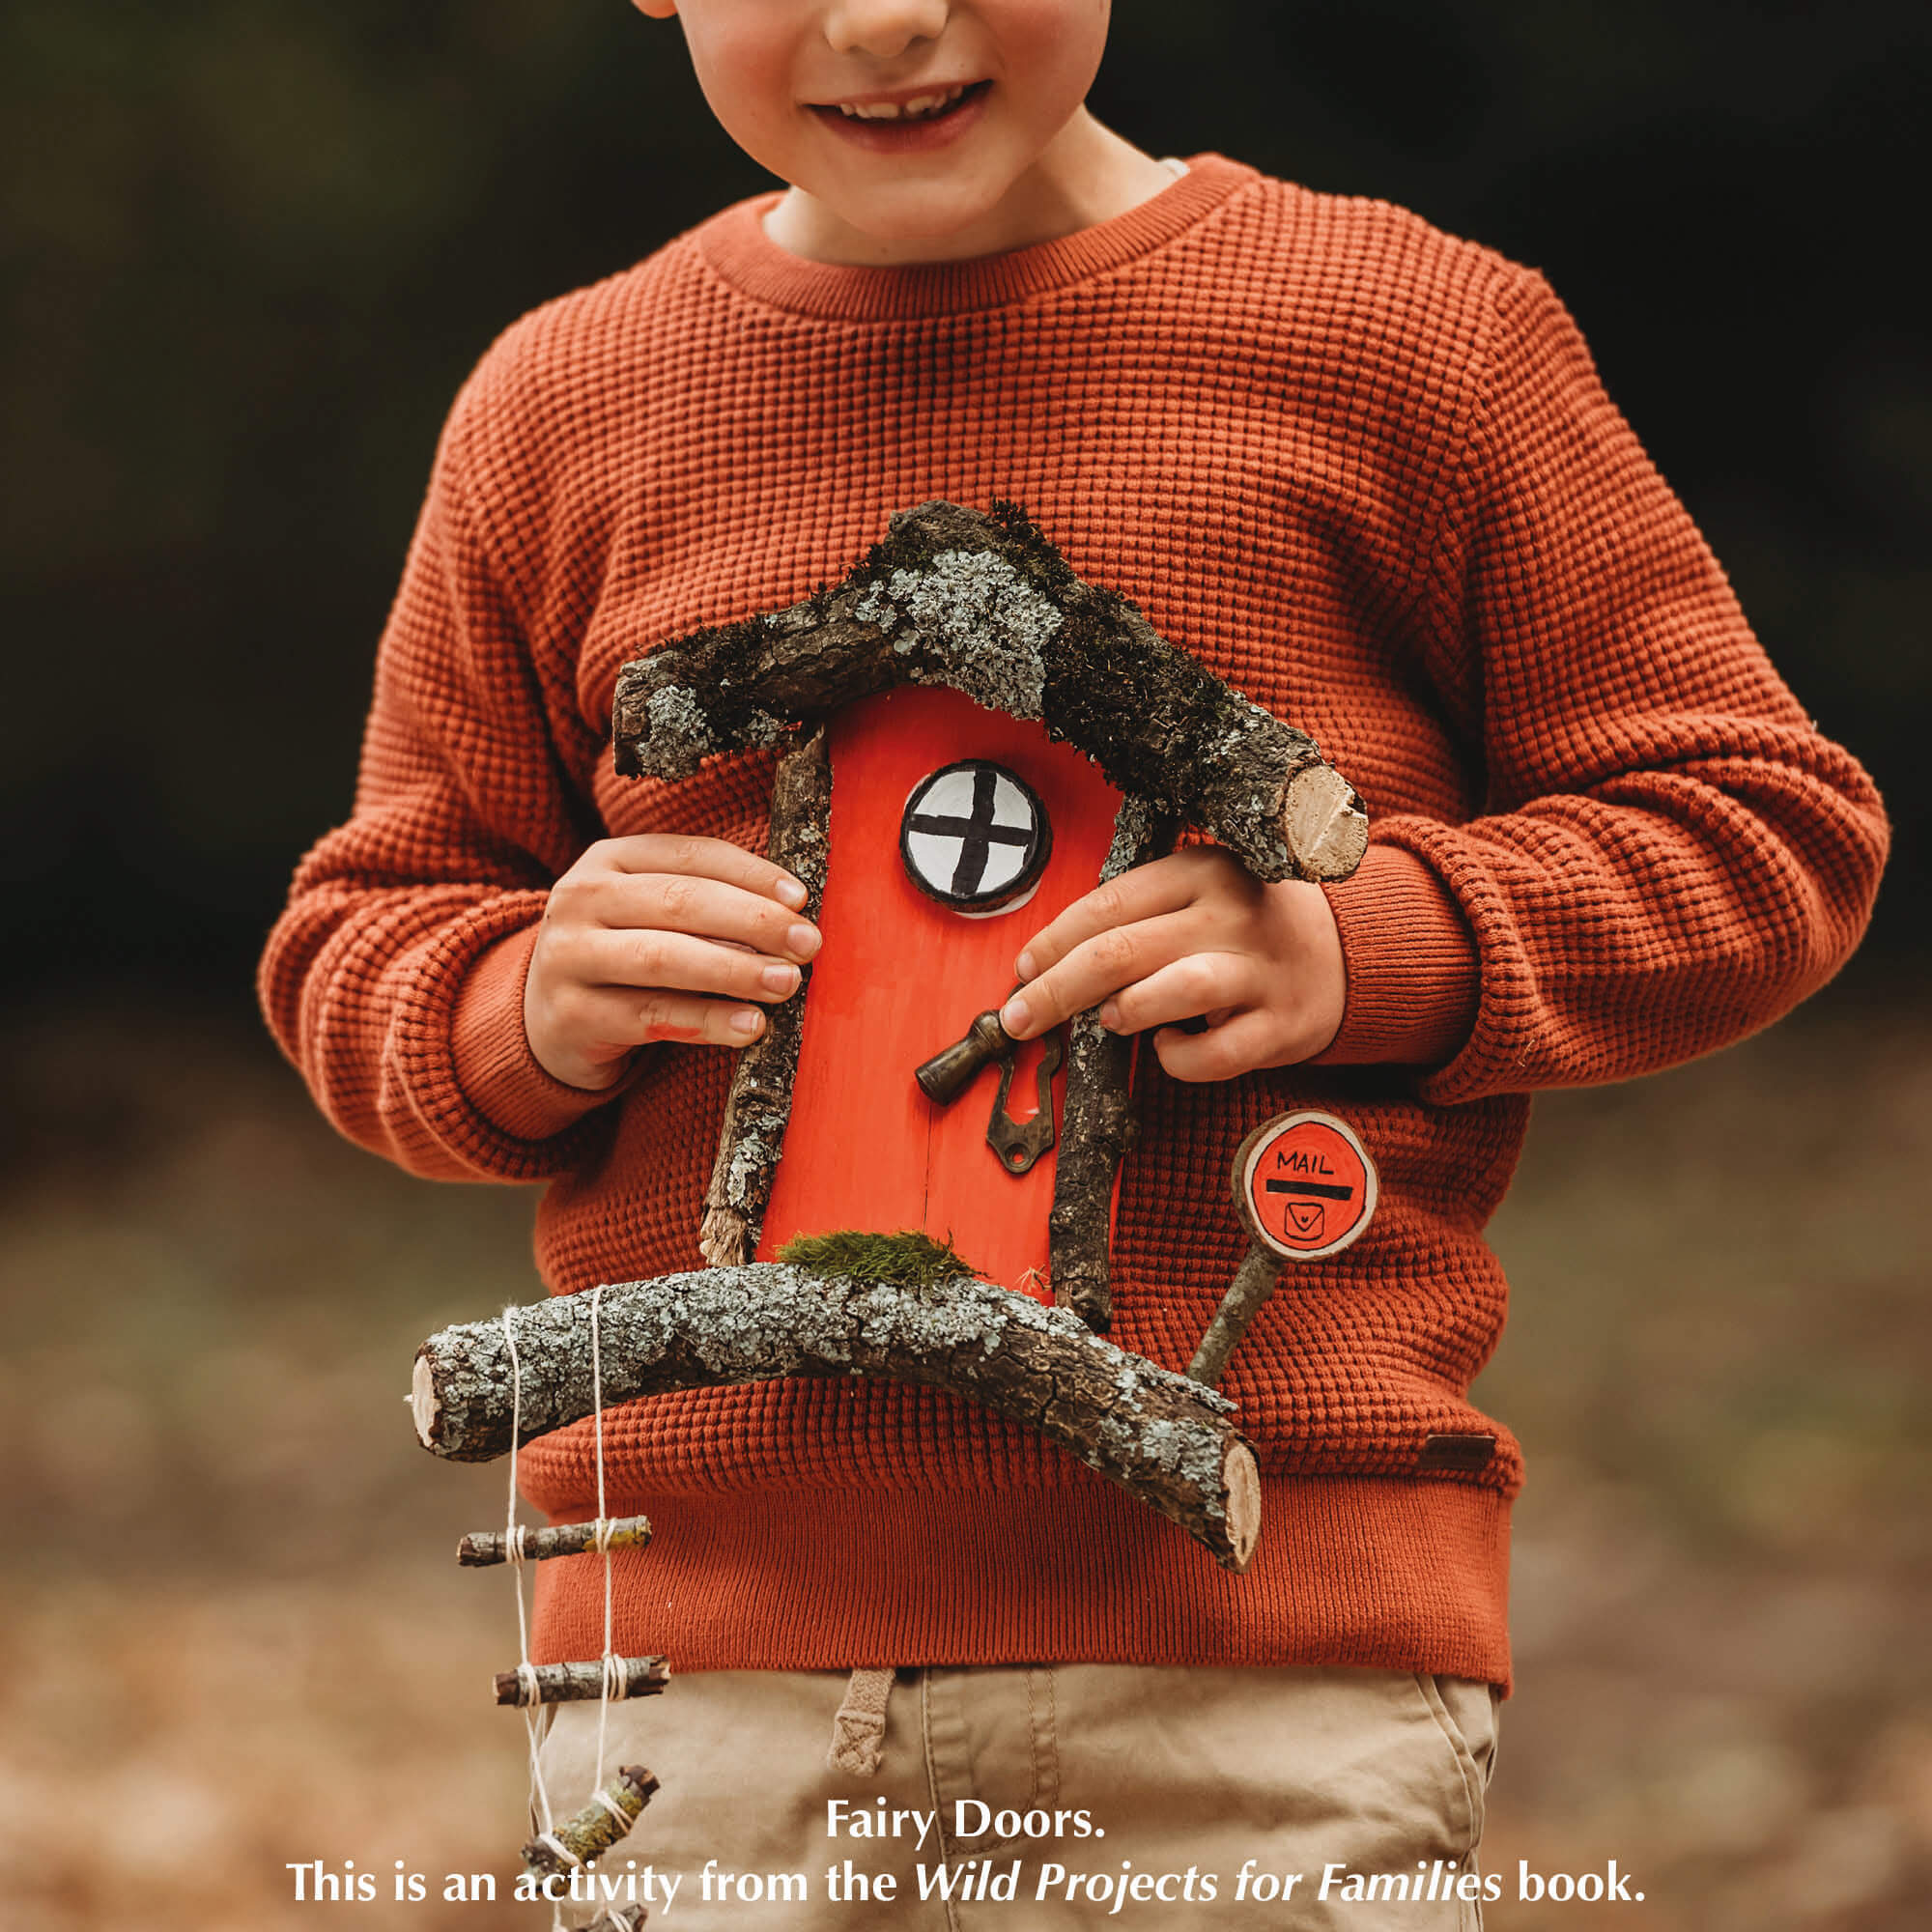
<point x="988" y="606"/>
<point x="606" y="1821"/>
<point x="1099" y="1126"/>
<point x="759" y="1103"/>
<point x="1168" y="1440"/>
<point x="482" y="1548"/>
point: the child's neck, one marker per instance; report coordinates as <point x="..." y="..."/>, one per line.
<point x="1085" y="175"/>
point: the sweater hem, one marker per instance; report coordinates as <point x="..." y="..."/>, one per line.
<point x="1377" y="1572"/>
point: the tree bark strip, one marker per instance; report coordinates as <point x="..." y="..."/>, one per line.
<point x="582" y="1683"/>
<point x="1097" y="1125"/>
<point x="1098" y="1128"/>
<point x="482" y="1548"/>
<point x="759" y="1106"/>
<point x="1163" y="1438"/>
<point x="1254" y="1282"/>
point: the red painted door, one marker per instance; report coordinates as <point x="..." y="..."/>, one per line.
<point x="901" y="975"/>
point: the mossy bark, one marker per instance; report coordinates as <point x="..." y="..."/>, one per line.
<point x="589" y="1834"/>
<point x="758" y="1105"/>
<point x="907" y="1259"/>
<point x="1164" y="1438"/>
<point x="988" y="606"/>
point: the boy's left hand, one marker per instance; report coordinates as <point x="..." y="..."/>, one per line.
<point x="1194" y="933"/>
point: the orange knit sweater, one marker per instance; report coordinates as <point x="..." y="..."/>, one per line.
<point x="1368" y="474"/>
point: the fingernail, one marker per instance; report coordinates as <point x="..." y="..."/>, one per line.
<point x="780" y="978"/>
<point x="1015" y="1017"/>
<point x="1110" y="1016"/>
<point x="791" y="893"/>
<point x="803" y="940"/>
<point x="747" y="1021"/>
<point x="1023" y="966"/>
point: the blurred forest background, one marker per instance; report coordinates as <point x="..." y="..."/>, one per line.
<point x="247" y="252"/>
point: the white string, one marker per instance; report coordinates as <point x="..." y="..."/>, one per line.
<point x="603" y="1527"/>
<point x="614" y="1677"/>
<point x="563" y="1852"/>
<point x="526" y="1672"/>
<point x="623" y="1817"/>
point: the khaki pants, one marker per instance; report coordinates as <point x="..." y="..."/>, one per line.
<point x="1066" y="1786"/>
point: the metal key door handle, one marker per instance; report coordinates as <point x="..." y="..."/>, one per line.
<point x="947" y="1074"/>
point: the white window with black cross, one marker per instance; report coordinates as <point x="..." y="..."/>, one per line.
<point x="975" y="837"/>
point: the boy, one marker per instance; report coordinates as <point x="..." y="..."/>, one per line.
<point x="1364" y="473"/>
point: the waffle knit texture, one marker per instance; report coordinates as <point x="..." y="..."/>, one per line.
<point x="1364" y="472"/>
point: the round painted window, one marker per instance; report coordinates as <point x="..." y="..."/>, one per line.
<point x="974" y="837"/>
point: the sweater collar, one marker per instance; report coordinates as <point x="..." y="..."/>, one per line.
<point x="736" y="247"/>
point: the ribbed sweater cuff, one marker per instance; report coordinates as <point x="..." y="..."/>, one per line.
<point x="498" y="1074"/>
<point x="1414" y="973"/>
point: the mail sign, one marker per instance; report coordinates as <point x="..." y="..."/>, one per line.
<point x="1305" y="1185"/>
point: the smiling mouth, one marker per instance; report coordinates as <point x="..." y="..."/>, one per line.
<point x="933" y="106"/>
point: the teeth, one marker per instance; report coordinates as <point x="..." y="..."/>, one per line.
<point x="894" y="110"/>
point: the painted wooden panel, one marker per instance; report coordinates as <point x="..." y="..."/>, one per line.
<point x="900" y="977"/>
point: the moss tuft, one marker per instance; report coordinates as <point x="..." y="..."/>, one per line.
<point x="905" y="1260"/>
<point x="1048" y="568"/>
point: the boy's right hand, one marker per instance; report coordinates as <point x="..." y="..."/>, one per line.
<point x="660" y="937"/>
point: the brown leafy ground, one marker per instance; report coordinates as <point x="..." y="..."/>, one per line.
<point x="235" y="1639"/>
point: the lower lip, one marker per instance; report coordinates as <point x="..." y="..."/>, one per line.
<point x="909" y="137"/>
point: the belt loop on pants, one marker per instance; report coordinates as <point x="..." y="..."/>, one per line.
<point x="859" y="1729"/>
